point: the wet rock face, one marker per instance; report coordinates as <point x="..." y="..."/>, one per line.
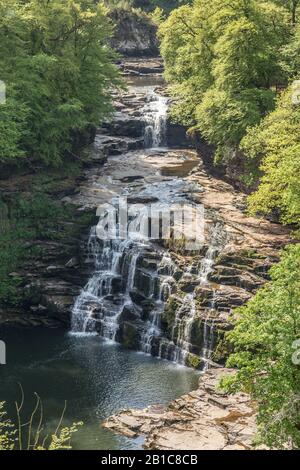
<point x="126" y="126"/>
<point x="233" y="279"/>
<point x="135" y="34"/>
<point x="128" y="335"/>
<point x="205" y="419"/>
<point x="51" y="283"/>
<point x="177" y="136"/>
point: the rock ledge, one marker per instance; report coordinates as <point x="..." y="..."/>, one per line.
<point x="205" y="419"/>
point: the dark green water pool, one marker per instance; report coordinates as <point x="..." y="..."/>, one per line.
<point x="96" y="378"/>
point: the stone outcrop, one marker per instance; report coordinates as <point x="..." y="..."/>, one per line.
<point x="134" y="34"/>
<point x="139" y="67"/>
<point x="52" y="278"/>
<point x="205" y="419"/>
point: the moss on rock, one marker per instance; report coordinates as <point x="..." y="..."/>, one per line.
<point x="170" y="311"/>
<point x="129" y="336"/>
<point x="222" y="350"/>
<point x="194" y="361"/>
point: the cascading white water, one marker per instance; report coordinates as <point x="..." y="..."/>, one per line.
<point x="98" y="308"/>
<point x="156" y="120"/>
<point x="178" y="348"/>
<point x="208" y="333"/>
<point x="154" y="324"/>
<point x="95" y="309"/>
<point x="153" y="329"/>
<point x="131" y="272"/>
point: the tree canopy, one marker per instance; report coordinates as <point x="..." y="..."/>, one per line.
<point x="225" y="64"/>
<point x="222" y="60"/>
<point x="58" y="70"/>
<point x="275" y="143"/>
<point x="148" y="5"/>
<point x="266" y="340"/>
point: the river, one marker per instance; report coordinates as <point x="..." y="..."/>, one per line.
<point x="96" y="378"/>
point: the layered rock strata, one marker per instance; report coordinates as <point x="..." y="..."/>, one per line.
<point x="205" y="419"/>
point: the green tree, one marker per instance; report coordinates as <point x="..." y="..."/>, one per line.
<point x="266" y="341"/>
<point x="292" y="6"/>
<point x="222" y="60"/>
<point x="55" y="57"/>
<point x="13" y="115"/>
<point x="290" y="53"/>
<point x="275" y="143"/>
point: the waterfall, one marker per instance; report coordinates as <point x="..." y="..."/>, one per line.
<point x="132" y="279"/>
<point x="181" y="329"/>
<point x="156" y="120"/>
<point x="153" y="330"/>
<point x="131" y="272"/>
<point x="208" y="333"/>
<point x="154" y="324"/>
<point x="101" y="302"/>
<point x="98" y="308"/>
<point x="179" y="347"/>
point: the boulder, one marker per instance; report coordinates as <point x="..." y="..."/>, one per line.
<point x="129" y="313"/>
<point x="145" y="282"/>
<point x="125" y="125"/>
<point x="204" y="419"/>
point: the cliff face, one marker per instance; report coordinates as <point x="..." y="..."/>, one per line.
<point x="135" y="34"/>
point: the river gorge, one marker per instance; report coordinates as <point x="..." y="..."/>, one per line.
<point x="142" y="318"/>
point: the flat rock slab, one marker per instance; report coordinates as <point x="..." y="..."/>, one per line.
<point x="205" y="419"/>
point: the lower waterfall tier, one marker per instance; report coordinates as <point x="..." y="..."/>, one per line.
<point x="149" y="299"/>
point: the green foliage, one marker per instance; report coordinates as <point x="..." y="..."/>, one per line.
<point x="58" y="69"/>
<point x="290" y="61"/>
<point x="264" y="352"/>
<point x="23" y="219"/>
<point x="147" y="5"/>
<point x="194" y="361"/>
<point x="224" y="119"/>
<point x="12" y="129"/>
<point x="293" y="8"/>
<point x="29" y="435"/>
<point x="7" y="430"/>
<point x="275" y="143"/>
<point x="221" y="60"/>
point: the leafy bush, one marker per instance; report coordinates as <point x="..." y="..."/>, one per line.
<point x="55" y="60"/>
<point x="265" y="340"/>
<point x="36" y="216"/>
<point x="29" y="435"/>
<point x="274" y="145"/>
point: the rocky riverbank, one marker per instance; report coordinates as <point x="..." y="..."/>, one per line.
<point x="205" y="419"/>
<point x="191" y="294"/>
<point x="199" y="290"/>
<point x="53" y="267"/>
<point x="134" y="34"/>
